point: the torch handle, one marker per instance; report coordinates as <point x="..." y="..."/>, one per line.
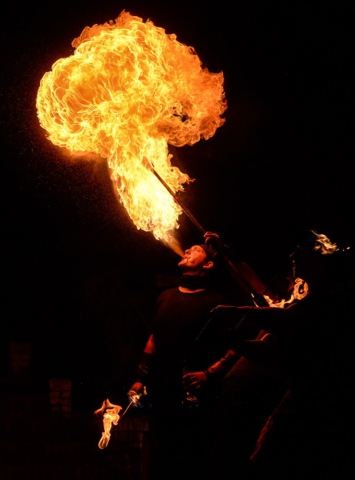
<point x="126" y="410"/>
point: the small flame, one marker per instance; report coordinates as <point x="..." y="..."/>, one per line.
<point x="300" y="290"/>
<point x="110" y="416"/>
<point x="127" y="92"/>
<point x="323" y="244"/>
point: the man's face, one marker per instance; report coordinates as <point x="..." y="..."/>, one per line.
<point x="194" y="260"/>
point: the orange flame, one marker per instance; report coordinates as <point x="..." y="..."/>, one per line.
<point x="300" y="291"/>
<point x="127" y="92"/>
<point x="110" y="416"/>
<point x="323" y="244"/>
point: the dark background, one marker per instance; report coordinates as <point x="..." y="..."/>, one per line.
<point x="78" y="279"/>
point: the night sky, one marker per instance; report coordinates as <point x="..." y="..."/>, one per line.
<point x="281" y="164"/>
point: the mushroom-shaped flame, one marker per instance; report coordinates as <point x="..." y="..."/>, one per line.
<point x="127" y="92"/>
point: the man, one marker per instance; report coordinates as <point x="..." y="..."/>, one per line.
<point x="182" y="345"/>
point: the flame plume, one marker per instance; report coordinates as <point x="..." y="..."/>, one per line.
<point x="127" y="92"/>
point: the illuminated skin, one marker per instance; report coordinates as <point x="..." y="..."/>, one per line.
<point x="194" y="262"/>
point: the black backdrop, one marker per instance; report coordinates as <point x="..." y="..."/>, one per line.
<point x="74" y="267"/>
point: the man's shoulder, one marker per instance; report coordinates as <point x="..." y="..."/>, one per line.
<point x="218" y="297"/>
<point x="210" y="293"/>
<point x="168" y="293"/>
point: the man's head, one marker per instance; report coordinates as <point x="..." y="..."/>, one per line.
<point x="197" y="260"/>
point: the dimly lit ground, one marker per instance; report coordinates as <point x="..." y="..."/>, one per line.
<point x="79" y="281"/>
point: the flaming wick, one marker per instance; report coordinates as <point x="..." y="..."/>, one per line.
<point x="323" y="244"/>
<point x="110" y="416"/>
<point x="300" y="290"/>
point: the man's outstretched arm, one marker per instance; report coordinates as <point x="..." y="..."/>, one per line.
<point x="144" y="365"/>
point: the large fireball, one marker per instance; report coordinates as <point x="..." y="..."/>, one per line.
<point x="127" y="92"/>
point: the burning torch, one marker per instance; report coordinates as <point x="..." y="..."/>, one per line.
<point x="110" y="413"/>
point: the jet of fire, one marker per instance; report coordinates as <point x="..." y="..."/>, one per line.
<point x="127" y="92"/>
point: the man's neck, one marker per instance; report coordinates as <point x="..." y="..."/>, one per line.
<point x="192" y="283"/>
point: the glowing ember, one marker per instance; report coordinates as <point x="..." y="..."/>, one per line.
<point x="323" y="244"/>
<point x="110" y="416"/>
<point x="127" y="92"/>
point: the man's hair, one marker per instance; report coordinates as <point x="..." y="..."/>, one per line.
<point x="210" y="253"/>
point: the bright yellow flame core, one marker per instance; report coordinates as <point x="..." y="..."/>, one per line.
<point x="127" y="92"/>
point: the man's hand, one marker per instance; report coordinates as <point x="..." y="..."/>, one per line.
<point x="194" y="380"/>
<point x="139" y="397"/>
<point x="213" y="240"/>
<point x="135" y="393"/>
